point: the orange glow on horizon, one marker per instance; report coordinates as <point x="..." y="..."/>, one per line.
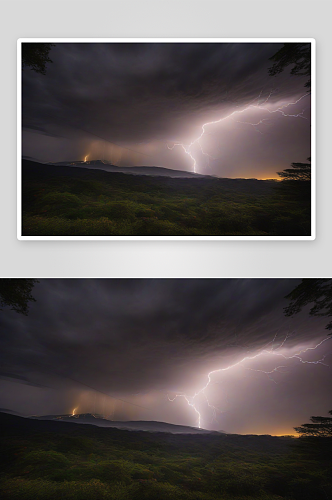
<point x="269" y="179"/>
<point x="285" y="434"/>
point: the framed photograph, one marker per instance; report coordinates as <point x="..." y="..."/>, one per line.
<point x="209" y="139"/>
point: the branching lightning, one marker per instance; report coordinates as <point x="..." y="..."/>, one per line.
<point x="264" y="352"/>
<point x="254" y="105"/>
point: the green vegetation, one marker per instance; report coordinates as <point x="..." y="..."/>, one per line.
<point x="319" y="427"/>
<point x="298" y="55"/>
<point x="314" y="291"/>
<point x="35" y="56"/>
<point x="52" y="460"/>
<point x="16" y="294"/>
<point x="73" y="201"/>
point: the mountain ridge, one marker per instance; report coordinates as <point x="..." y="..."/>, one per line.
<point x="137" y="425"/>
<point x="133" y="170"/>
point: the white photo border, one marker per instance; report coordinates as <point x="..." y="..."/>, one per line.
<point x="312" y="41"/>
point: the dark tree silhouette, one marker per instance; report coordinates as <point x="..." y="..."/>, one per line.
<point x="319" y="427"/>
<point x="297" y="54"/>
<point x="316" y="291"/>
<point x="16" y="294"/>
<point x="298" y="172"/>
<point x="35" y="56"/>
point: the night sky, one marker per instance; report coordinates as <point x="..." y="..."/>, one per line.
<point x="144" y="341"/>
<point x="149" y="96"/>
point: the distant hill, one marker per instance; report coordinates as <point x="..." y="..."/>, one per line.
<point x="12" y="412"/>
<point x="142" y="170"/>
<point x="13" y="425"/>
<point x="137" y="425"/>
<point x="33" y="170"/>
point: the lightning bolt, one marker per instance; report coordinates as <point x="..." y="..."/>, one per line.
<point x="254" y="105"/>
<point x="74" y="412"/>
<point x="86" y="158"/>
<point x="272" y="351"/>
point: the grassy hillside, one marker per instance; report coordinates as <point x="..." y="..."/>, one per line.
<point x="74" y="201"/>
<point x="50" y="460"/>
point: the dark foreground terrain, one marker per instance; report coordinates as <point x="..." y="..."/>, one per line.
<point x="60" y="460"/>
<point x="75" y="201"/>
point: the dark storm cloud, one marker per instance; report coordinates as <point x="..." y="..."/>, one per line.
<point x="140" y="93"/>
<point x="133" y="336"/>
<point x="139" y="340"/>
